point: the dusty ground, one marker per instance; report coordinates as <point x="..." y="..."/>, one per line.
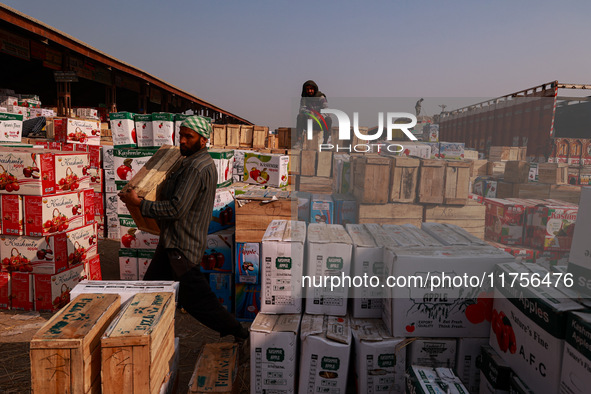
<point x="17" y="329"/>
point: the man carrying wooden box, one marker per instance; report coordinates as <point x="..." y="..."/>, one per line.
<point x="183" y="215"/>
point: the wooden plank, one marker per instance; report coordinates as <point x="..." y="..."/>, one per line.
<point x="390" y="211"/>
<point x="215" y="369"/>
<point x="553" y="173"/>
<point x="534" y="190"/>
<point x="161" y="361"/>
<point x="324" y="164"/>
<point x="284" y="137"/>
<point x="308" y="163"/>
<point x="471" y="211"/>
<point x="404" y="173"/>
<point x="479" y="167"/>
<point x="312" y="184"/>
<point x="371" y="179"/>
<point x="507" y="189"/>
<point x="281" y="207"/>
<point x="496" y="168"/>
<point x="314" y="142"/>
<point x="457" y="182"/>
<point x="117" y="370"/>
<point x="516" y="171"/>
<point x="233" y="136"/>
<point x="294" y="161"/>
<point x="246" y="136"/>
<point x="218" y="138"/>
<point x="569" y="193"/>
<point x="414" y="221"/>
<point x="431" y="181"/>
<point x="259" y="137"/>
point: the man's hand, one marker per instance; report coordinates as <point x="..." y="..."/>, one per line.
<point x="130" y="197"/>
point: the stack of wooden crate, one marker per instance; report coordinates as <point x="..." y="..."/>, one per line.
<point x="234" y="136"/>
<point x="315" y="174"/>
<point x="137" y="349"/>
<point x="255" y="212"/>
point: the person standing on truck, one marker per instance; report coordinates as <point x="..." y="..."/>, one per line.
<point x="183" y="215"/>
<point x="311" y="103"/>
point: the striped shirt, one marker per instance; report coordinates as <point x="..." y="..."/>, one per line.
<point x="185" y="208"/>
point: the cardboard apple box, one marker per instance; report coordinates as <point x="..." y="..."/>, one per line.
<point x="322" y="209"/>
<point x="535" y="320"/>
<point x="274" y="352"/>
<point x="433" y="352"/>
<point x="576" y="375"/>
<point x="123" y="129"/>
<point x="95" y="175"/>
<point x="325" y="351"/>
<point x="11" y="208"/>
<point x="504" y="221"/>
<point x="494" y="373"/>
<point x="266" y="169"/>
<point x="132" y="237"/>
<point x="128" y="264"/>
<point x="21" y="291"/>
<point x="221" y="285"/>
<point x="144" y="258"/>
<point x="178" y="121"/>
<point x="79" y="131"/>
<point x="144" y="131"/>
<point x="92" y="266"/>
<point x="45" y="215"/>
<point x="127" y="162"/>
<point x="52" y="292"/>
<point x="580" y="254"/>
<point x="5" y="290"/>
<point x="81" y="244"/>
<point x="248" y="262"/>
<point x="163" y="128"/>
<point x="224" y="161"/>
<point x="40" y="255"/>
<point x="466" y="362"/>
<point x="247" y="301"/>
<point x="26" y="171"/>
<point x="218" y="256"/>
<point x="87" y="198"/>
<point x="328" y="253"/>
<point x="71" y="171"/>
<point x="554" y="227"/>
<point x="11" y="127"/>
<point x="223" y="215"/>
<point x="282" y="266"/>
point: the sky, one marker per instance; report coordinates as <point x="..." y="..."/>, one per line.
<point x="252" y="57"/>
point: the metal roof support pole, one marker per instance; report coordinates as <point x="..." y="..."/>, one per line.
<point x="64" y="98"/>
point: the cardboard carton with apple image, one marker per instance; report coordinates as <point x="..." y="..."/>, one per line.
<point x="266" y="169"/>
<point x="133" y="238"/>
<point x="144" y="130"/>
<point x="163" y="128"/>
<point x="178" y="121"/>
<point x="224" y="162"/>
<point x="11" y="127"/>
<point x="128" y="264"/>
<point x="123" y="129"/>
<point x="144" y="258"/>
<point x="218" y="252"/>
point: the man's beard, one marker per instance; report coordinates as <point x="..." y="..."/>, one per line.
<point x="189" y="152"/>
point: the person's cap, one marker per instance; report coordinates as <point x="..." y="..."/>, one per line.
<point x="198" y="124"/>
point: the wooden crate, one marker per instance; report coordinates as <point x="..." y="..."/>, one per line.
<point x="314" y="142"/>
<point x="246" y="136"/>
<point x="516" y="171"/>
<point x="65" y="352"/>
<point x="284" y="137"/>
<point x="314" y="184"/>
<point x="324" y="164"/>
<point x="534" y="190"/>
<point x="507" y="189"/>
<point x="215" y="371"/>
<point x="479" y="168"/>
<point x="254" y="216"/>
<point x="553" y="173"/>
<point x="470" y="154"/>
<point x="496" y="168"/>
<point x="393" y="213"/>
<point x="218" y="137"/>
<point x="233" y="136"/>
<point x="457" y="182"/>
<point x="371" y="179"/>
<point x="569" y="193"/>
<point x="294" y="161"/>
<point x="499" y="153"/>
<point x="280" y="151"/>
<point x="271" y="141"/>
<point x="138" y="347"/>
<point x="148" y="183"/>
<point x="308" y="163"/>
<point x="470" y="217"/>
<point x="259" y="137"/>
<point x="404" y="174"/>
<point x="431" y="181"/>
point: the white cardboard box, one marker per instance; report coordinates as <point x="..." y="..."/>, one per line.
<point x="380" y="360"/>
<point x="328" y="255"/>
<point x="537" y="317"/>
<point x="274" y="353"/>
<point x="466" y="365"/>
<point x="433" y="352"/>
<point x="417" y="310"/>
<point x="426" y="380"/>
<point x="494" y="373"/>
<point x="445" y="235"/>
<point x="282" y="267"/>
<point x="580" y="253"/>
<point x="367" y="261"/>
<point x="126" y="289"/>
<point x="408" y="236"/>
<point x="325" y="351"/>
<point x="576" y="363"/>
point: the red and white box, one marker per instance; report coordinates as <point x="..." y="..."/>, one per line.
<point x="132" y="237"/>
<point x="11" y="207"/>
<point x="45" y="215"/>
<point x="40" y="255"/>
<point x="71" y="171"/>
<point x="52" y="292"/>
<point x="81" y="244"/>
<point x="26" y="171"/>
<point x="78" y="131"/>
<point x="21" y="291"/>
<point x="96" y="179"/>
<point x="504" y="221"/>
<point x="99" y="204"/>
<point x="92" y="266"/>
<point x="554" y="227"/>
<point x="86" y="196"/>
<point x="5" y="290"/>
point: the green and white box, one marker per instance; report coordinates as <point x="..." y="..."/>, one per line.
<point x="579" y="264"/>
<point x="380" y="360"/>
<point x="433" y="352"/>
<point x="576" y="362"/>
<point x="144" y="130"/>
<point x="123" y="129"/>
<point x="328" y="258"/>
<point x="282" y="267"/>
<point x="466" y="365"/>
<point x="224" y="161"/>
<point x="325" y="351"/>
<point x="128" y="162"/>
<point x="273" y="353"/>
<point x="266" y="169"/>
<point x="425" y="380"/>
<point x="11" y="127"/>
<point x="535" y="318"/>
<point x="367" y="261"/>
<point x="163" y="128"/>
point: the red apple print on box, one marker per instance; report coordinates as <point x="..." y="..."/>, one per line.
<point x="129" y="239"/>
<point x="125" y="172"/>
<point x="410" y="327"/>
<point x="70" y="182"/>
<point x="8" y="181"/>
<point x="501" y="326"/>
